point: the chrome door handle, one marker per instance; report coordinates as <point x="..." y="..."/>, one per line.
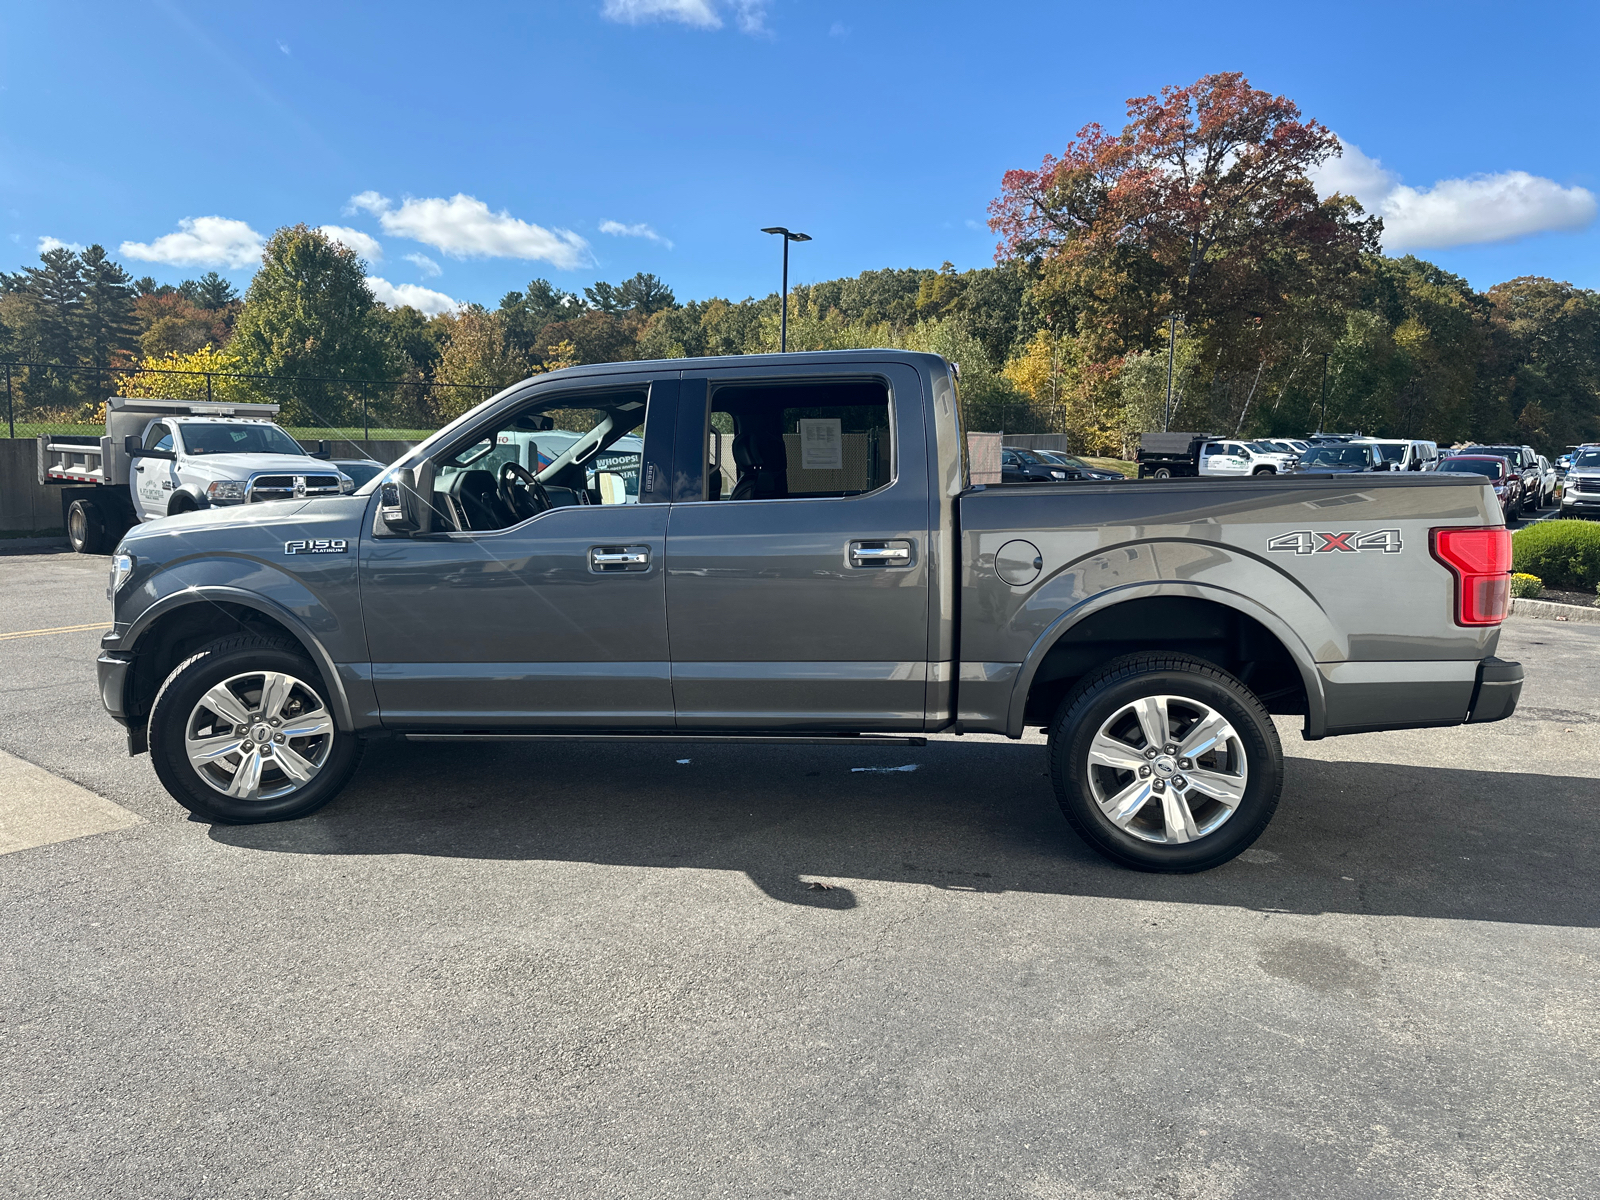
<point x="605" y="559"/>
<point x="880" y="554"/>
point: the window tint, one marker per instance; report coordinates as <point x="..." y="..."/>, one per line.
<point x="158" y="437"/>
<point x="798" y="441"/>
<point x="238" y="439"/>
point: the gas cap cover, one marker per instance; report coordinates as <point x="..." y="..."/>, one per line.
<point x="1018" y="563"/>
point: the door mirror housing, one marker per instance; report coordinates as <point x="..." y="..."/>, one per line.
<point x="399" y="505"/>
<point x="137" y="451"/>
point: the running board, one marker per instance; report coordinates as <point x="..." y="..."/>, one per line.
<point x="778" y="740"/>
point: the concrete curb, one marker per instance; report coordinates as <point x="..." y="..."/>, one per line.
<point x="1545" y="610"/>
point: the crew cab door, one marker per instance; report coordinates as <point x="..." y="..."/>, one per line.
<point x="1217" y="458"/>
<point x="797" y="555"/>
<point x="502" y="620"/>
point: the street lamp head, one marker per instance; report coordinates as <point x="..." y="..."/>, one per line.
<point x="793" y="237"/>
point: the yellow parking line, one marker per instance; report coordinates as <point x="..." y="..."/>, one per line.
<point x="6" y="637"/>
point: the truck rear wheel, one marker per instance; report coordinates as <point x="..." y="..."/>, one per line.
<point x="242" y="733"/>
<point x="1161" y="473"/>
<point x="1164" y="762"/>
<point x="86" y="528"/>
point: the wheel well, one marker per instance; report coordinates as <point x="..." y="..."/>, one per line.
<point x="1237" y="643"/>
<point x="176" y="635"/>
<point x="182" y="502"/>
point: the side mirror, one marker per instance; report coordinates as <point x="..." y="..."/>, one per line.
<point x="131" y="445"/>
<point x="399" y="506"/>
<point x="322" y="451"/>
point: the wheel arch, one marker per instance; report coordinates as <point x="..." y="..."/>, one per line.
<point x="1068" y="647"/>
<point x="179" y="624"/>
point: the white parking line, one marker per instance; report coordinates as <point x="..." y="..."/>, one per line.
<point x="38" y="808"/>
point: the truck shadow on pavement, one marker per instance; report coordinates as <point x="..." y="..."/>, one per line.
<point x="1350" y="837"/>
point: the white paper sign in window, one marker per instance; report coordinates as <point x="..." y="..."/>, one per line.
<point x="821" y="444"/>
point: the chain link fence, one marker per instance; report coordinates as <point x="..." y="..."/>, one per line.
<point x="49" y="398"/>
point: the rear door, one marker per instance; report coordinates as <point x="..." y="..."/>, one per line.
<point x="797" y="562"/>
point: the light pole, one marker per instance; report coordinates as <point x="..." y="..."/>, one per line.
<point x="1172" y="346"/>
<point x="783" y="302"/>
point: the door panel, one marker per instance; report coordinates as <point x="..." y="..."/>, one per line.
<point x="558" y="622"/>
<point x="775" y="623"/>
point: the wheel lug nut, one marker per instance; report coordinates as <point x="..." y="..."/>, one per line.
<point x="1149" y="753"/>
<point x="1185" y="763"/>
<point x="1169" y="750"/>
<point x="1180" y="782"/>
<point x="278" y="738"/>
<point x="1144" y="772"/>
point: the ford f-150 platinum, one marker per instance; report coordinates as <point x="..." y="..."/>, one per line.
<point x="804" y="558"/>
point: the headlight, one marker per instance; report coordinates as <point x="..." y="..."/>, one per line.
<point x="225" y="491"/>
<point x="346" y="484"/>
<point x="1058" y="474"/>
<point x="121" y="568"/>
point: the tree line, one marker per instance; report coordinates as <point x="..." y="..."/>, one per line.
<point x="1190" y="242"/>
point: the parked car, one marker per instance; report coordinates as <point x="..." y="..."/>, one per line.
<point x="1580" y="490"/>
<point x="1550" y="482"/>
<point x="848" y="586"/>
<point x="1399" y="454"/>
<point x="1524" y="461"/>
<point x="1283" y="445"/>
<point x="360" y="471"/>
<point x="1507" y="481"/>
<point x="1076" y="468"/>
<point x="164" y="457"/>
<point x="1024" y="466"/>
<point x="1341" y="458"/>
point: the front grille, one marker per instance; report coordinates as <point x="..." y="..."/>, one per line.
<point x="290" y="487"/>
<point x="1588" y="485"/>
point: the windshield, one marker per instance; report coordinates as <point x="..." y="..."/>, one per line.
<point x="1390" y="452"/>
<point x="1336" y="456"/>
<point x="1589" y="460"/>
<point x="238" y="439"/>
<point x="1467" y="466"/>
<point x="1265" y="448"/>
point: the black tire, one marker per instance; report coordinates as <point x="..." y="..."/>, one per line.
<point x="184" y="689"/>
<point x="1264" y="471"/>
<point x="86" y="528"/>
<point x="1109" y="690"/>
<point x="1161" y="473"/>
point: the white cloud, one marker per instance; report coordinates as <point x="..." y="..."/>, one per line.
<point x="284" y="46"/>
<point x="370" y="202"/>
<point x="411" y="295"/>
<point x="838" y="30"/>
<point x="364" y="244"/>
<point x="618" y="229"/>
<point x="749" y="15"/>
<point x="48" y="243"/>
<point x="1455" y="212"/>
<point x="201" y="242"/>
<point x="426" y="265"/>
<point x="463" y="227"/>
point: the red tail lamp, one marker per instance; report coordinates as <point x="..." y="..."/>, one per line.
<point x="1480" y="559"/>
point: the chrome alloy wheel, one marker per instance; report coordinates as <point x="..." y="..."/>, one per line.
<point x="1167" y="769"/>
<point x="259" y="735"/>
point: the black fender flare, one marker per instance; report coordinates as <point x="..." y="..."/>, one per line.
<point x="194" y="492"/>
<point x="1305" y="663"/>
<point x="215" y="593"/>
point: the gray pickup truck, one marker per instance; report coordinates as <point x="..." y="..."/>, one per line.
<point x="790" y="548"/>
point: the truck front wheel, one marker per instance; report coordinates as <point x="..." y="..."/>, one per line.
<point x="1164" y="762"/>
<point x="242" y="732"/>
<point x="86" y="528"/>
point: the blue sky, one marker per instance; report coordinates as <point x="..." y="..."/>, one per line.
<point x="683" y="126"/>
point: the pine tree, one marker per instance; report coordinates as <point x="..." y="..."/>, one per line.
<point x="106" y="318"/>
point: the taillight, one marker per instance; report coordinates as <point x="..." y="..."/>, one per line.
<point x="1480" y="559"/>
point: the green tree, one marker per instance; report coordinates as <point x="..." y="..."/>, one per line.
<point x="479" y="353"/>
<point x="310" y="316"/>
<point x="106" y="316"/>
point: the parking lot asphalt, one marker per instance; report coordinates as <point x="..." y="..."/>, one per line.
<point x="583" y="970"/>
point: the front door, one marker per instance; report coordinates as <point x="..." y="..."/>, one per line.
<point x="154" y="478"/>
<point x="797" y="554"/>
<point x="530" y="610"/>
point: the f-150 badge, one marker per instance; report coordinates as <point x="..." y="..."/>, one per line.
<point x="1305" y="541"/>
<point x="318" y="546"/>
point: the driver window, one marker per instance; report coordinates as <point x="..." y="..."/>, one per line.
<point x="573" y="450"/>
<point x="159" y="437"/>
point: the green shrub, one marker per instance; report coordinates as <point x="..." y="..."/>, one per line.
<point x="1526" y="587"/>
<point x="1564" y="554"/>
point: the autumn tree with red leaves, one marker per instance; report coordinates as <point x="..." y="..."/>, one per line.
<point x="1202" y="205"/>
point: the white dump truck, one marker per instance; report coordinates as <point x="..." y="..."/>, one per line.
<point x="159" y="458"/>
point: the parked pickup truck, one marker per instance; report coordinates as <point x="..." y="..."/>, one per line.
<point x="1175" y="455"/>
<point x="161" y="457"/>
<point x="840" y="581"/>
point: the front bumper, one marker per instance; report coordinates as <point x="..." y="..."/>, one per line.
<point x="1365" y="697"/>
<point x="113" y="667"/>
<point x="1573" y="500"/>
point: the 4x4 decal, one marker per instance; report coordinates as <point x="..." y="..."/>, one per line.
<point x="1306" y="541"/>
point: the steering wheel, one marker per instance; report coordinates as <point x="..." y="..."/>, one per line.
<point x="531" y="500"/>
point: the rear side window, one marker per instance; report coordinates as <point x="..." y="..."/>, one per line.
<point x="799" y="441"/>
